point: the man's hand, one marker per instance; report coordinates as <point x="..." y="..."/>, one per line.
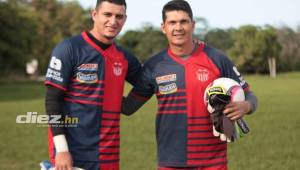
<point x="236" y="110"/>
<point x="197" y="41"/>
<point x="63" y="161"/>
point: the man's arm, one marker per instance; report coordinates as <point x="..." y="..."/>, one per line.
<point x="59" y="72"/>
<point x="142" y="91"/>
<point x="236" y="110"/>
<point x="132" y="103"/>
<point x="252" y="99"/>
<point x="54" y="99"/>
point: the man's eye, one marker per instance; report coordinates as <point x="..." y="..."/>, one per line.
<point x="184" y="22"/>
<point x="172" y="22"/>
<point x="107" y="14"/>
<point x="119" y="16"/>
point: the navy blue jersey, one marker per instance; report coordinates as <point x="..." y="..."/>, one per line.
<point x="183" y="127"/>
<point x="93" y="81"/>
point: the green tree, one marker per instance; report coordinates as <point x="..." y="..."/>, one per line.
<point x="256" y="49"/>
<point x="219" y="38"/>
<point x="201" y="28"/>
<point x="245" y="51"/>
<point x="145" y="42"/>
<point x="130" y="39"/>
<point x="16" y="38"/>
<point x="31" y="29"/>
<point x="269" y="49"/>
<point x="56" y="21"/>
<point x="289" y="58"/>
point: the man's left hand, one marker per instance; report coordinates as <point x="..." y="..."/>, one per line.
<point x="236" y="110"/>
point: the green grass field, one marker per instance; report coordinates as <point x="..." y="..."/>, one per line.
<point x="273" y="143"/>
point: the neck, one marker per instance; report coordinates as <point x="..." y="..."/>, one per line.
<point x="182" y="50"/>
<point x="101" y="38"/>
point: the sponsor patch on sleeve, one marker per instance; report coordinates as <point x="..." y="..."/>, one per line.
<point x="55" y="75"/>
<point x="241" y="78"/>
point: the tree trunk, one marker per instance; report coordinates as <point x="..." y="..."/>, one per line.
<point x="272" y="67"/>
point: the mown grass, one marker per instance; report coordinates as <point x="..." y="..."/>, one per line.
<point x="273" y="143"/>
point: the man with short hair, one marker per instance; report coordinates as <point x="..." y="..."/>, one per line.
<point x="85" y="80"/>
<point x="178" y="76"/>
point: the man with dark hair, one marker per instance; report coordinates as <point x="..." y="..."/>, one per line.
<point x="177" y="5"/>
<point x="118" y="2"/>
<point x="85" y="80"/>
<point x="178" y="76"/>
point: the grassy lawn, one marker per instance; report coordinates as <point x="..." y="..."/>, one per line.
<point x="271" y="145"/>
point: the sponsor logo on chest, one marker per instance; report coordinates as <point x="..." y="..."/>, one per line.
<point x="168" y="89"/>
<point x="166" y="78"/>
<point x="87" y="78"/>
<point x="167" y="83"/>
<point x="88" y="67"/>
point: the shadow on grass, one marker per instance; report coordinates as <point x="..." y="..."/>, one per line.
<point x="21" y="91"/>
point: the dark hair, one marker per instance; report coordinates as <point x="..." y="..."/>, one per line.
<point x="177" y="5"/>
<point x="118" y="2"/>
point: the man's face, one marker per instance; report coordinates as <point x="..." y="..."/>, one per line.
<point x="108" y="20"/>
<point x="178" y="27"/>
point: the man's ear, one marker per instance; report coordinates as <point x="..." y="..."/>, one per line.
<point x="125" y="18"/>
<point x="94" y="14"/>
<point x="162" y="27"/>
<point x="193" y="24"/>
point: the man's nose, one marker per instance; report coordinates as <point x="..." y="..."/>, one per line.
<point x="178" y="27"/>
<point x="113" y="20"/>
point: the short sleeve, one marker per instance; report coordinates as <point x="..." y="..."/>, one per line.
<point x="230" y="70"/>
<point x="60" y="67"/>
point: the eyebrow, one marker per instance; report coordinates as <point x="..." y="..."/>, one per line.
<point x="175" y="21"/>
<point x="118" y="15"/>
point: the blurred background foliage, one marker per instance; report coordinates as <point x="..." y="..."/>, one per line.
<point x="31" y="28"/>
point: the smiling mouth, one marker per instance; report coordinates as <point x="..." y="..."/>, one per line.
<point x="178" y="35"/>
<point x="111" y="28"/>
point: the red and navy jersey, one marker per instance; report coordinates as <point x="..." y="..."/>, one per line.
<point x="183" y="127"/>
<point x="93" y="81"/>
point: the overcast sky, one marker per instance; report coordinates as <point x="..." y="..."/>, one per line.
<point x="219" y="13"/>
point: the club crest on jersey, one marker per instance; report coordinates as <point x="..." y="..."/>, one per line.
<point x="202" y="75"/>
<point x="168" y="89"/>
<point x="166" y="78"/>
<point x="117" y="68"/>
<point x="88" y="67"/>
<point x="87" y="78"/>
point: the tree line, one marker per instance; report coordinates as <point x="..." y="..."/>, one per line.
<point x="31" y="28"/>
